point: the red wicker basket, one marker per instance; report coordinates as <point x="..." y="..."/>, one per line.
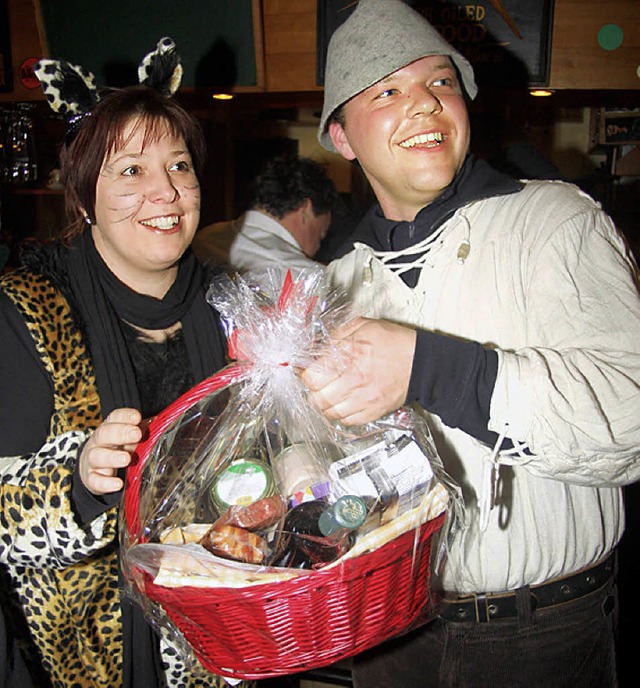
<point x="277" y="628"/>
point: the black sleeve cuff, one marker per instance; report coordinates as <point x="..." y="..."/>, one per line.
<point x="454" y="379"/>
<point x="87" y="506"/>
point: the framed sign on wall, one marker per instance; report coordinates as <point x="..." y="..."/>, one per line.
<point x="507" y="41"/>
<point x="6" y="75"/>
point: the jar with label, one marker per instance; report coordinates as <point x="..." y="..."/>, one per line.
<point x="300" y="473"/>
<point x="241" y="483"/>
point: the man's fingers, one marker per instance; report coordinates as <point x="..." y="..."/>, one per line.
<point x="346" y="330"/>
<point x="319" y="375"/>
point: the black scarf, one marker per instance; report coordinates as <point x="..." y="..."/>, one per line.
<point x="103" y="302"/>
<point x="476" y="180"/>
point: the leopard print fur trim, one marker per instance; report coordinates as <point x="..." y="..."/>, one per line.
<point x="41" y="529"/>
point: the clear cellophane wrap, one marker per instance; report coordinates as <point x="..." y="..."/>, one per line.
<point x="253" y="412"/>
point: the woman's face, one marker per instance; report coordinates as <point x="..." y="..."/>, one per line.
<point x="147" y="209"/>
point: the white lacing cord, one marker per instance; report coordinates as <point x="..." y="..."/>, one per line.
<point x="490" y="472"/>
<point x="422" y="250"/>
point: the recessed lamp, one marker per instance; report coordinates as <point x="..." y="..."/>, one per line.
<point x="222" y="96"/>
<point x="541" y="92"/>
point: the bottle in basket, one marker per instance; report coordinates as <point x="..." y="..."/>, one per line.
<point x="317" y="533"/>
<point x="301" y="473"/>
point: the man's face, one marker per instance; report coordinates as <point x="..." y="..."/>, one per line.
<point x="410" y="133"/>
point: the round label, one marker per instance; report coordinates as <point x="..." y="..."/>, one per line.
<point x="243" y="483"/>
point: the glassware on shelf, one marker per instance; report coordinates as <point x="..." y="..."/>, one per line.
<point x="18" y="161"/>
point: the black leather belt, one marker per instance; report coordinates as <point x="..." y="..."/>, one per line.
<point x="483" y="607"/>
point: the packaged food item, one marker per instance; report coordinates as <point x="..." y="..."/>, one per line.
<point x="393" y="475"/>
<point x="184" y="535"/>
<point x="301" y="473"/>
<point x="258" y="515"/>
<point x="235" y="543"/>
<point x="242" y="482"/>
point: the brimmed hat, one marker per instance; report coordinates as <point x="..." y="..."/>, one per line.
<point x="380" y="37"/>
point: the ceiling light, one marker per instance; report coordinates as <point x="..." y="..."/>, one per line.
<point x="541" y="92"/>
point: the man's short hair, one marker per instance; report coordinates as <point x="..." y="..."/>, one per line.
<point x="284" y="183"/>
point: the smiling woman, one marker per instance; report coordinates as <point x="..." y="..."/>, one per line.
<point x="147" y="208"/>
<point x="101" y="329"/>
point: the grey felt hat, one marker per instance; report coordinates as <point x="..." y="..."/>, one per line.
<point x="380" y="37"/>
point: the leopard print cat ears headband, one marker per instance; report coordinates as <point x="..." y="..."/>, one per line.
<point x="71" y="90"/>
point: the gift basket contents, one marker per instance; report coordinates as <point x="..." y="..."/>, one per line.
<point x="269" y="539"/>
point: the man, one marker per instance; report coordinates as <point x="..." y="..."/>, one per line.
<point x="509" y="311"/>
<point x="289" y="217"/>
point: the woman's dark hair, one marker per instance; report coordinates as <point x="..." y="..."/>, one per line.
<point x="102" y="131"/>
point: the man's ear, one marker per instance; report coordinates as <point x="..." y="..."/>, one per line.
<point x="339" y="138"/>
<point x="306" y="209"/>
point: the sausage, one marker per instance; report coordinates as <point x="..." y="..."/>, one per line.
<point x="255" y="516"/>
<point x="236" y="543"/>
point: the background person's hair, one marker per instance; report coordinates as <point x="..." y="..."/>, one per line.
<point x="284" y="183"/>
<point x="102" y="132"/>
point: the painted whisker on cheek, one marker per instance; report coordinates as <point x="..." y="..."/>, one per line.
<point x="124" y="218"/>
<point x="123" y="214"/>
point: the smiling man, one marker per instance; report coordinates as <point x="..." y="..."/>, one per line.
<point x="509" y="311"/>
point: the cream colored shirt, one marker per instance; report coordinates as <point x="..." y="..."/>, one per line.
<point x="542" y="277"/>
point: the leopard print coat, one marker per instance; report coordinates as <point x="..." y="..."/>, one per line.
<point x="65" y="575"/>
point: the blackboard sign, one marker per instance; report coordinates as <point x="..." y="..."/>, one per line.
<point x="507" y="42"/>
<point x="213" y="37"/>
<point x="6" y="76"/>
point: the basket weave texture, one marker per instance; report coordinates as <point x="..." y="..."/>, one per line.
<point x="310" y="621"/>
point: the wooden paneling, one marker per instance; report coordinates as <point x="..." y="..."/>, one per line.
<point x="26" y="42"/>
<point x="577" y="61"/>
<point x="290" y="45"/>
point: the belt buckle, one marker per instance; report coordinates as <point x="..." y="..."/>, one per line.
<point x="482" y="607"/>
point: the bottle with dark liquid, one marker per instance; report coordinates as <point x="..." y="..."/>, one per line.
<point x="316" y="533"/>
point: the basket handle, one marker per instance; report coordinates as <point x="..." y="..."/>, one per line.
<point x="157" y="427"/>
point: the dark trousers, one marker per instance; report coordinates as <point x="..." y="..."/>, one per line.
<point x="566" y="646"/>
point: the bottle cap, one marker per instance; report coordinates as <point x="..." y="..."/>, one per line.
<point x="348" y="513"/>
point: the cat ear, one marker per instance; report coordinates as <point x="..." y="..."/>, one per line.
<point x="161" y="69"/>
<point x="69" y="89"/>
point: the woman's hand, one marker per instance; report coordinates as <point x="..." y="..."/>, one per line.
<point x="109" y="449"/>
<point x="369" y="375"/>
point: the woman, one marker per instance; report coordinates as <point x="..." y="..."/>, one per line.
<point x="99" y="331"/>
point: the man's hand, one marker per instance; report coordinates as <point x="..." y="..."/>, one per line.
<point x="109" y="449"/>
<point x="369" y="375"/>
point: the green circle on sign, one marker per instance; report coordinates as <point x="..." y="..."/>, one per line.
<point x="610" y="37"/>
